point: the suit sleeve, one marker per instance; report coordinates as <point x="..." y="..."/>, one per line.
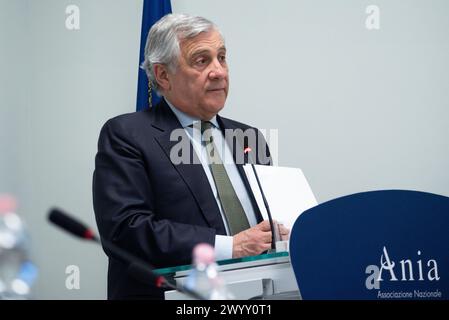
<point x="124" y="205"/>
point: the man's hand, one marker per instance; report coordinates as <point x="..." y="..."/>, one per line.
<point x="252" y="241"/>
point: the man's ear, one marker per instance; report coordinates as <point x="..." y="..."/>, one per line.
<point x="161" y="74"/>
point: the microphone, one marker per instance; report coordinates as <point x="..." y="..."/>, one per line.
<point x="71" y="225"/>
<point x="274" y="233"/>
<point x="137" y="268"/>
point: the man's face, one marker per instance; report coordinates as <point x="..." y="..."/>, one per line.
<point x="200" y="84"/>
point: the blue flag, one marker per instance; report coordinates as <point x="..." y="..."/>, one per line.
<point x="153" y="10"/>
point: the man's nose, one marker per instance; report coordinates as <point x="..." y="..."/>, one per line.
<point x="218" y="71"/>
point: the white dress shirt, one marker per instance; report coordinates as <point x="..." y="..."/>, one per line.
<point x="223" y="244"/>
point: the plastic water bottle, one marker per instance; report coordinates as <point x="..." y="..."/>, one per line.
<point x="204" y="277"/>
<point x="17" y="272"/>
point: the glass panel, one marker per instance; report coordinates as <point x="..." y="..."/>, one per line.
<point x="173" y="270"/>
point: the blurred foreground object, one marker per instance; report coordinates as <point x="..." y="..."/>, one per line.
<point x="17" y="272"/>
<point x="204" y="277"/>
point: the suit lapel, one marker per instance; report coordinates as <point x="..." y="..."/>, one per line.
<point x="192" y="172"/>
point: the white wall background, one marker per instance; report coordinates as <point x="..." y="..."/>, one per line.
<point x="356" y="109"/>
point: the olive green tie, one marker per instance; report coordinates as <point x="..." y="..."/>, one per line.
<point x="230" y="203"/>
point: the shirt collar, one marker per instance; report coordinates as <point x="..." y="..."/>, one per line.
<point x="187" y="120"/>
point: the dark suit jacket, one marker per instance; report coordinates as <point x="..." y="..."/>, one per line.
<point x="148" y="206"/>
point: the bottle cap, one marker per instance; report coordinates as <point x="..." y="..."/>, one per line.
<point x="203" y="253"/>
<point x="7" y="203"/>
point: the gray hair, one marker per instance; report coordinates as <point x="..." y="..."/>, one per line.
<point x="163" y="41"/>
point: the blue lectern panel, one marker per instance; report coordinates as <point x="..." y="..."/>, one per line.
<point x="391" y="244"/>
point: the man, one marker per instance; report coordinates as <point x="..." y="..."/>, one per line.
<point x="159" y="208"/>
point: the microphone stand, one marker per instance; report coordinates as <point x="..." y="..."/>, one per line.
<point x="137" y="268"/>
<point x="141" y="271"/>
<point x="274" y="231"/>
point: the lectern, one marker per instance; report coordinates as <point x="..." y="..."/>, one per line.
<point x="266" y="276"/>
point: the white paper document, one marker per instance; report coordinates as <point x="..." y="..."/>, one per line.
<point x="286" y="189"/>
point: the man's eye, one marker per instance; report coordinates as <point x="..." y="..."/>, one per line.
<point x="222" y="58"/>
<point x="200" y="61"/>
